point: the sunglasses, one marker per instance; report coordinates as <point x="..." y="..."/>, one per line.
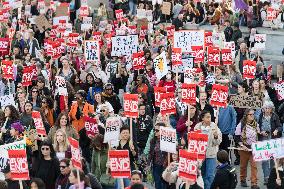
<point x="62" y="166"/>
<point x="250" y="114"/>
<point x="103" y="110"/>
<point x="34" y="91"/>
<point x="46" y="149"/>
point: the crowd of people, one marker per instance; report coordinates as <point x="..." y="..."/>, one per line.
<point x="96" y="89"/>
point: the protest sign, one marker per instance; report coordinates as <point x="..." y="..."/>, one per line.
<point x="158" y="91"/>
<point x="259" y="40"/>
<point x="198" y="54"/>
<point x="124" y="45"/>
<point x="188" y="93"/>
<point x="86" y="27"/>
<point x="268" y="149"/>
<point x="227" y="58"/>
<point x="72" y="40"/>
<point x="4" y="157"/>
<point x="91" y="126"/>
<point x="143" y="32"/>
<point x="97" y="36"/>
<point x="208" y="39"/>
<point x="187" y="62"/>
<point x="27" y="75"/>
<point x="92" y="51"/>
<point x="130" y="105"/>
<point x="75" y="151"/>
<point x="119" y="14"/>
<point x="219" y="96"/>
<point x="141" y="13"/>
<point x="4" y="44"/>
<point x="271" y="13"/>
<point x="18" y="164"/>
<point x="249" y="69"/>
<point x="197" y="144"/>
<point x="241" y="101"/>
<point x="166" y="8"/>
<point x="231" y="45"/>
<point x="132" y="30"/>
<point x="139" y="61"/>
<point x="112" y="129"/>
<point x="279" y="87"/>
<point x="187" y="38"/>
<point x="87" y="20"/>
<point x="193" y="75"/>
<point x="168" y="104"/>
<point x="40" y="129"/>
<point x="119" y="163"/>
<point x="160" y="65"/>
<point x="188" y="165"/>
<point x="279" y="71"/>
<point x="168" y="140"/>
<point x="61" y="85"/>
<point x="269" y="72"/>
<point x="7" y="69"/>
<point x="170" y="31"/>
<point x="7" y="100"/>
<point x="15" y="4"/>
<point x="176" y="56"/>
<point x="42" y="23"/>
<point x="213" y="56"/>
<point x="28" y="10"/>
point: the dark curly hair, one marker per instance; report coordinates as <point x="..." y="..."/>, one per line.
<point x="57" y="122"/>
<point x="14" y="116"/>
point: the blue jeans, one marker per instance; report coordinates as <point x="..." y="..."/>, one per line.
<point x="132" y="7"/>
<point x="266" y="168"/>
<point x="126" y="182"/>
<point x="208" y="170"/>
<point x="173" y="121"/>
<point x="157" y="174"/>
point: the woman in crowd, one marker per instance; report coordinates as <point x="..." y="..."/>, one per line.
<point x="37" y="183"/>
<point x="26" y="116"/>
<point x="270" y="128"/>
<point x="235" y="80"/>
<point x="66" y="71"/>
<point x="62" y="180"/>
<point x="273" y="181"/>
<point x="61" y="145"/>
<point x="246" y="133"/>
<point x="168" y="82"/>
<point x="21" y="100"/>
<point x="99" y="102"/>
<point x="170" y="174"/>
<point x="126" y="144"/>
<point x="11" y="116"/>
<point x="255" y="91"/>
<point x="136" y="178"/>
<point x="214" y="140"/>
<point x="47" y="109"/>
<point x="74" y="180"/>
<point x="62" y="123"/>
<point x="35" y="98"/>
<point x="203" y="104"/>
<point x="46" y="165"/>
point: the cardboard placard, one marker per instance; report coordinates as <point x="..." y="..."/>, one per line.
<point x="241" y="101"/>
<point x="279" y="70"/>
<point x="62" y="11"/>
<point x="42" y="23"/>
<point x="166" y="8"/>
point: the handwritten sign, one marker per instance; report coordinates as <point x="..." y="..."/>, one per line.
<point x="259" y="40"/>
<point x="267" y="149"/>
<point x="279" y="87"/>
<point x="187" y="38"/>
<point x="61" y="85"/>
<point x="119" y="163"/>
<point x="7" y="100"/>
<point x="168" y="140"/>
<point x="241" y="101"/>
<point x="92" y="51"/>
<point x="124" y="45"/>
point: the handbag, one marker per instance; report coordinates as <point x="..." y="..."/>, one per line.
<point x="106" y="180"/>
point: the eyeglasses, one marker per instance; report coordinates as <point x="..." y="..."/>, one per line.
<point x="103" y="110"/>
<point x="46" y="149"/>
<point x="62" y="166"/>
<point x="34" y="91"/>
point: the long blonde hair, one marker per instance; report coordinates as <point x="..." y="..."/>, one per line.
<point x="65" y="141"/>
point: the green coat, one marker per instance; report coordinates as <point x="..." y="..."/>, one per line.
<point x="99" y="161"/>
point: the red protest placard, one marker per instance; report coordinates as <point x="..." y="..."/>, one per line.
<point x="108" y="40"/>
<point x="97" y="36"/>
<point x="188" y="165"/>
<point x="168" y="105"/>
<point x="271" y="14"/>
<point x="38" y="123"/>
<point x="176" y="56"/>
<point x="143" y="32"/>
<point x="197" y="143"/>
<point x="208" y="39"/>
<point x="132" y="30"/>
<point x="72" y="40"/>
<point x="198" y="54"/>
<point x="84" y="11"/>
<point x="18" y="165"/>
<point x="227" y="58"/>
<point x="213" y="56"/>
<point x="170" y="31"/>
<point x="249" y="69"/>
<point x="27" y="75"/>
<point x="158" y="91"/>
<point x="269" y="72"/>
<point x="91" y="126"/>
<point x="7" y="69"/>
<point x="75" y="151"/>
<point x="188" y="93"/>
<point x="119" y="163"/>
<point x="130" y="105"/>
<point x="119" y="14"/>
<point x="219" y="95"/>
<point x="139" y="60"/>
<point x="4" y="44"/>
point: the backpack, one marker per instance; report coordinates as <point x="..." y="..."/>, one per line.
<point x="233" y="177"/>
